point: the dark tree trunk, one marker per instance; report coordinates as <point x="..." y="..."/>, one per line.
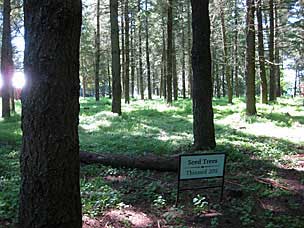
<point x="183" y="58"/>
<point x="116" y="83"/>
<point x="12" y="97"/>
<point x="218" y="81"/>
<point x="277" y="53"/>
<point x="141" y="77"/>
<point x="132" y="56"/>
<point x="169" y="51"/>
<point x="7" y="65"/>
<point x="203" y="125"/>
<point x="189" y="49"/>
<point x="148" y="55"/>
<point x="272" y="79"/>
<point x="264" y="97"/>
<point x="250" y="60"/>
<point x="123" y="56"/>
<point x="223" y="81"/>
<point x="164" y="67"/>
<point x="236" y="66"/>
<point x="127" y="54"/>
<point x="50" y="192"/>
<point x="225" y="49"/>
<point x="109" y="80"/>
<point x="97" y="53"/>
<point x="174" y="70"/>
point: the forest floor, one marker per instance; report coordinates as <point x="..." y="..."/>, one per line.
<point x="264" y="182"/>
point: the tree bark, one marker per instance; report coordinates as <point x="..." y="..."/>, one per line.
<point x="116" y="83"/>
<point x="148" y="54"/>
<point x="141" y="77"/>
<point x="50" y="192"/>
<point x="97" y="52"/>
<point x="264" y="95"/>
<point x="250" y="60"/>
<point x="174" y="70"/>
<point x="203" y="123"/>
<point x="225" y="49"/>
<point x="272" y="79"/>
<point x="169" y="51"/>
<point x="132" y="56"/>
<point x="127" y="53"/>
<point x="190" y="73"/>
<point x="277" y="53"/>
<point x="236" y="45"/>
<point x="7" y="65"/>
<point x="123" y="56"/>
<point x="183" y="58"/>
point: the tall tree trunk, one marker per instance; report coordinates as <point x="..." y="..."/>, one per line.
<point x="272" y="79"/>
<point x="141" y="77"/>
<point x="169" y="51"/>
<point x="164" y="61"/>
<point x="148" y="54"/>
<point x="250" y="60"/>
<point x="109" y="79"/>
<point x="236" y="66"/>
<point x="7" y="65"/>
<point x="218" y="81"/>
<point x="174" y="70"/>
<point x="50" y="192"/>
<point x="123" y="56"/>
<point x="183" y="58"/>
<point x="225" y="48"/>
<point x="132" y="56"/>
<point x="277" y="53"/>
<point x="116" y="84"/>
<point x="223" y="81"/>
<point x="264" y="97"/>
<point x="127" y="54"/>
<point x="189" y="50"/>
<point x="97" y="52"/>
<point x="203" y="125"/>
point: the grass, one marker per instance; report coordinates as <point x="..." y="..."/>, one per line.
<point x="256" y="147"/>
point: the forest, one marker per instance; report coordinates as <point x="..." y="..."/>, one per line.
<point x="152" y="113"/>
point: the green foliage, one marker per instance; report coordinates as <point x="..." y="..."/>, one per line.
<point x="200" y="204"/>
<point x="9" y="182"/>
<point x="97" y="196"/>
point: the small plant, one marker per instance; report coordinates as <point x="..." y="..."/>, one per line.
<point x="200" y="204"/>
<point x="159" y="202"/>
<point x="214" y="222"/>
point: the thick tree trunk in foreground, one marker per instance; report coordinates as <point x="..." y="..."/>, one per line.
<point x="141" y="77"/>
<point x="250" y="60"/>
<point x="203" y="125"/>
<point x="144" y="162"/>
<point x="116" y="81"/>
<point x="50" y="193"/>
<point x="7" y="65"/>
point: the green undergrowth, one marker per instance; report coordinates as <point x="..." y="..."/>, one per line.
<point x="155" y="127"/>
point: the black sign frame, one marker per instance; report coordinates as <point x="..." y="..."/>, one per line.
<point x="200" y="178"/>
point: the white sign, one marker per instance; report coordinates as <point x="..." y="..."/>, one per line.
<point x="201" y="166"/>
